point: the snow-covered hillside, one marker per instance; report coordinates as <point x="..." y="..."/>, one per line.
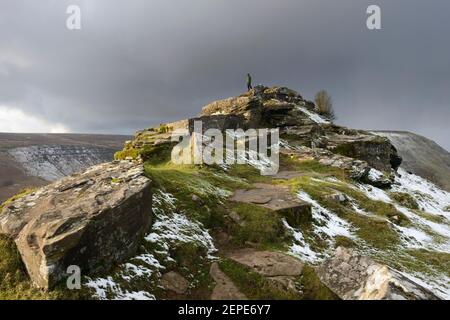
<point x="51" y="162"/>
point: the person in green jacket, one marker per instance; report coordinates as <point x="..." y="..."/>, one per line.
<point x="249" y="82"/>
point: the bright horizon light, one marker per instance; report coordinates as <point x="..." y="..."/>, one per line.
<point x="15" y="120"/>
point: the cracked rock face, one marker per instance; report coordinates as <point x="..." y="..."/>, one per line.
<point x="355" y="277"/>
<point x="93" y="220"/>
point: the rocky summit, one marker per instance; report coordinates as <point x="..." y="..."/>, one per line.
<point x="92" y="220"/>
<point x="341" y="219"/>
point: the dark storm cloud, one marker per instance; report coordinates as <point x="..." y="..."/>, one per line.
<point x="138" y="63"/>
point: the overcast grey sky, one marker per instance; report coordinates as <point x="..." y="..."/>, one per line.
<point x="137" y="63"/>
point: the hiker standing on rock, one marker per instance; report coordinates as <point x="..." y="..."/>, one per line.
<point x="249" y="82"/>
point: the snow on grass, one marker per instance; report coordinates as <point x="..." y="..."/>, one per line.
<point x="326" y="221"/>
<point x="430" y="198"/>
<point x="356" y="208"/>
<point x="313" y="116"/>
<point x="413" y="237"/>
<point x="107" y="287"/>
<point x="300" y="248"/>
<point x="375" y="174"/>
<point x="176" y="228"/>
<point x="374" y="193"/>
<point x="169" y="230"/>
<point x="439" y="286"/>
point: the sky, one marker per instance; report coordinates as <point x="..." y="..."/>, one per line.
<point x="138" y="63"/>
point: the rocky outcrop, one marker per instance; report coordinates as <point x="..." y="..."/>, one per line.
<point x="376" y="151"/>
<point x="358" y="170"/>
<point x="278" y="199"/>
<point x="280" y="269"/>
<point x="93" y="220"/>
<point x="283" y="108"/>
<point x="173" y="281"/>
<point x="355" y="277"/>
<point x="260" y="107"/>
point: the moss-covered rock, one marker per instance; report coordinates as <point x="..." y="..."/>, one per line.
<point x="260" y="226"/>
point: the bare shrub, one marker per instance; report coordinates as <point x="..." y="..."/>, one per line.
<point x="324" y="105"/>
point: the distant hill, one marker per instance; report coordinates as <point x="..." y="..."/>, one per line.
<point x="422" y="156"/>
<point x="28" y="160"/>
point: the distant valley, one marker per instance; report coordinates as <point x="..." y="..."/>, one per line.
<point x="30" y="160"/>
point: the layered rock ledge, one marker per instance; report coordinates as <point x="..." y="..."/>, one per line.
<point x="93" y="220"/>
<point x="355" y="277"/>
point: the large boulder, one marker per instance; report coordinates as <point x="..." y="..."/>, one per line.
<point x="377" y="151"/>
<point x="93" y="220"/>
<point x="280" y="269"/>
<point x="278" y="199"/>
<point x="355" y="277"/>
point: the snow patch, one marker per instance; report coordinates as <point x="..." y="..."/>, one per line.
<point x="170" y="229"/>
<point x="313" y="116"/>
<point x="300" y="248"/>
<point x="326" y="221"/>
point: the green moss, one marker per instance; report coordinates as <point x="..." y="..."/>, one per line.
<point x="439" y="261"/>
<point x="404" y="199"/>
<point x="346" y="149"/>
<point x="342" y="241"/>
<point x="427" y="262"/>
<point x="157" y="154"/>
<point x="257" y="287"/>
<point x="127" y="153"/>
<point x="374" y="231"/>
<point x="248" y="173"/>
<point x="15" y="283"/>
<point x="311" y="168"/>
<point x="351" y="149"/>
<point x="164" y="129"/>
<point x="252" y="284"/>
<point x="191" y="262"/>
<point x="18" y="196"/>
<point x="208" y="184"/>
<point x="319" y="189"/>
<point x="372" y="228"/>
<point x="384" y="209"/>
<point x="186" y="254"/>
<point x="260" y="226"/>
<point x="115" y="180"/>
<point x="431" y="217"/>
<point x="313" y="288"/>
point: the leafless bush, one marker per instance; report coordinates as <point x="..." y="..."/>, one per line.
<point x="324" y="105"/>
